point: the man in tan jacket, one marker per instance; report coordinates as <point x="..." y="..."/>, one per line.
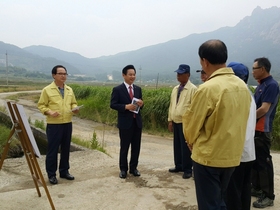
<point x="215" y="126"/>
<point x="179" y="101"/>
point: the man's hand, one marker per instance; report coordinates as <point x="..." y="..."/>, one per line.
<point x="190" y="146"/>
<point x="140" y="103"/>
<point x="170" y="126"/>
<point x="130" y="107"/>
<point x="53" y="113"/>
<point x="76" y="111"/>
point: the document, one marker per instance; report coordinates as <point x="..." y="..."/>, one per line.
<point x="134" y="102"/>
<point x="76" y="108"/>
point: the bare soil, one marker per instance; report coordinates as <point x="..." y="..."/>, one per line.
<point x="96" y="184"/>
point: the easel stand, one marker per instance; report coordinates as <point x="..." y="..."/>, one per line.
<point x="28" y="148"/>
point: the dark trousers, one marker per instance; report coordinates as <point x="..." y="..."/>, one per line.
<point x="58" y="135"/>
<point x="129" y="137"/>
<point x="182" y="154"/>
<point x="211" y="184"/>
<point x="262" y="170"/>
<point x="239" y="188"/>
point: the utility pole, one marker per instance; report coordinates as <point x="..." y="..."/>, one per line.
<point x="157" y="81"/>
<point x="7" y="68"/>
<point x="140" y="69"/>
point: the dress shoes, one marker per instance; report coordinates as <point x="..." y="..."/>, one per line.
<point x="67" y="176"/>
<point x="186" y="175"/>
<point x="135" y="172"/>
<point x="123" y="174"/>
<point x="53" y="180"/>
<point x="174" y="170"/>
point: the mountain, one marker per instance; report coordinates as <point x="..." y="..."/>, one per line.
<point x="85" y="65"/>
<point x="254" y="36"/>
<point x="32" y="62"/>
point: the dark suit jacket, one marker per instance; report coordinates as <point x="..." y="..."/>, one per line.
<point x="119" y="98"/>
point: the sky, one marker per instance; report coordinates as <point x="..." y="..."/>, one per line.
<point x="94" y="28"/>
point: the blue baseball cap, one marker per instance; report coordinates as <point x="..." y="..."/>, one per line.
<point x="183" y="68"/>
<point x="240" y="70"/>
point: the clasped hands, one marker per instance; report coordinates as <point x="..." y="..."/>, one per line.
<point x="56" y="114"/>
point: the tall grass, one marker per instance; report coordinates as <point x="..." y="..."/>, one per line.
<point x="276" y="130"/>
<point x="96" y="101"/>
<point x="155" y="110"/>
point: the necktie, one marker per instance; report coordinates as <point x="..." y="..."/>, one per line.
<point x="61" y="90"/>
<point x="131" y="95"/>
<point x="130" y="92"/>
<point x="181" y="87"/>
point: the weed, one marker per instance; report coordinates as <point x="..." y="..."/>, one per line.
<point x="40" y="124"/>
<point x="93" y="144"/>
<point x="4" y="134"/>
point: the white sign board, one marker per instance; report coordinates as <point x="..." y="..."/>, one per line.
<point x="28" y="130"/>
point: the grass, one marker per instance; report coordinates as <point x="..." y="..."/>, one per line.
<point x="4" y="134"/>
<point x="92" y="144"/>
<point x="40" y="124"/>
<point x="95" y="144"/>
<point x="96" y="101"/>
<point x="24" y="87"/>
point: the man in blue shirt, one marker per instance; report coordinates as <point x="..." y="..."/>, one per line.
<point x="266" y="97"/>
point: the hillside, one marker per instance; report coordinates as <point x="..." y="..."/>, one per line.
<point x="254" y="36"/>
<point x="29" y="61"/>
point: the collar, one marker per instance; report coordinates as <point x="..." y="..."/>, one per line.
<point x="127" y="85"/>
<point x="53" y="85"/>
<point x="186" y="85"/>
<point x="221" y="71"/>
<point x="265" y="79"/>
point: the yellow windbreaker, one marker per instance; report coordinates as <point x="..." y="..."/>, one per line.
<point x="215" y="123"/>
<point x="51" y="99"/>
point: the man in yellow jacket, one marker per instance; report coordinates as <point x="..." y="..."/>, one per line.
<point x="57" y="102"/>
<point x="215" y="126"/>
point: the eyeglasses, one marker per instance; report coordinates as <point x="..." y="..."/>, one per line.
<point x="64" y="74"/>
<point x="258" y="67"/>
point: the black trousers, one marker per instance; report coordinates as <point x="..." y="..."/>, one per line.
<point x="211" y="184"/>
<point x="58" y="135"/>
<point x="182" y="154"/>
<point x="129" y="137"/>
<point x="262" y="171"/>
<point x="239" y="188"/>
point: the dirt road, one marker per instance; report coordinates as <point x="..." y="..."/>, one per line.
<point x="97" y="185"/>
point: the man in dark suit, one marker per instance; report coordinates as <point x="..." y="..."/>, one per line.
<point x="129" y="120"/>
